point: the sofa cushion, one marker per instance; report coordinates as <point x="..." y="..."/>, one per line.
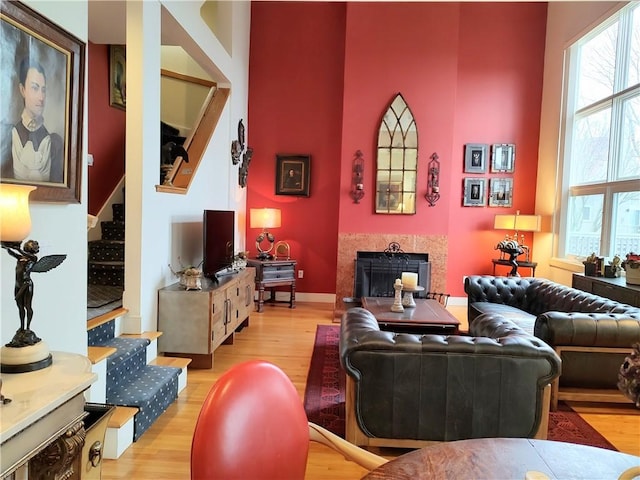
<point x="521" y="318"/>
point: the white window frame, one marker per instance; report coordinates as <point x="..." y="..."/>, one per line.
<point x="610" y="186"/>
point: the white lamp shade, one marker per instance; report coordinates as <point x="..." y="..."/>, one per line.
<point x="528" y="223"/>
<point x="520" y="223"/>
<point x="504" y="222"/>
<point x="15" y="220"/>
<point x="264" y="218"/>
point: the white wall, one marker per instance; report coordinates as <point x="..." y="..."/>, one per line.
<point x="60" y="299"/>
<point x="161" y="226"/>
<point x="566" y="22"/>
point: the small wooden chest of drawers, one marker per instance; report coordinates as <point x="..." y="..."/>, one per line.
<point x="274" y="273"/>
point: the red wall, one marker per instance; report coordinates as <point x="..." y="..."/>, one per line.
<point x="321" y="76"/>
<point x="295" y="106"/>
<point x="107" y="127"/>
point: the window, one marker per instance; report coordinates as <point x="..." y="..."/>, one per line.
<point x="601" y="167"/>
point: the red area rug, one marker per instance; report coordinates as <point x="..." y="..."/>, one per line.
<point x="325" y="395"/>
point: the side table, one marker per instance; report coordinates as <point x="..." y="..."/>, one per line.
<point x="502" y="261"/>
<point x="274" y="273"/>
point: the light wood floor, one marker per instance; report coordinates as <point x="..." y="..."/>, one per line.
<point x="285" y="337"/>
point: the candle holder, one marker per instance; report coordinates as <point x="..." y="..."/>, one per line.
<point x="407" y="300"/>
<point x="397" y="301"/>
<point x="357" y="185"/>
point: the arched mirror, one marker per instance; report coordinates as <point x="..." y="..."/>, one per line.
<point x="397" y="160"/>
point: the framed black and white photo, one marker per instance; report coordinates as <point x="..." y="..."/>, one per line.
<point x="501" y="192"/>
<point x="293" y="175"/>
<point x="474" y="192"/>
<point x="41" y="118"/>
<point x="475" y="157"/>
<point x="503" y="157"/>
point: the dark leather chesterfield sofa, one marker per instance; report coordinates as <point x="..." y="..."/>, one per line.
<point x="409" y="390"/>
<point x="592" y="334"/>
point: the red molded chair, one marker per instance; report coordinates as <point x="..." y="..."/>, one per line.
<point x="253" y="425"/>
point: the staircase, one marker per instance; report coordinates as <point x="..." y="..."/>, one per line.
<point x="140" y="384"/>
<point x="106" y="256"/>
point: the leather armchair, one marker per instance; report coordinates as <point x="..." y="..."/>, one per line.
<point x="592" y="334"/>
<point x="409" y="390"/>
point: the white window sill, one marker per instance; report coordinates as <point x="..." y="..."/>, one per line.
<point x="568" y="265"/>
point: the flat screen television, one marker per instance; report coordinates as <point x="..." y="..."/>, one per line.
<point x="218" y="241"/>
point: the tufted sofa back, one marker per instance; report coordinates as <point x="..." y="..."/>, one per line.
<point x="537" y="296"/>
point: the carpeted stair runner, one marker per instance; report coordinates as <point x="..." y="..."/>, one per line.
<point x="106" y="256"/>
<point x="133" y="383"/>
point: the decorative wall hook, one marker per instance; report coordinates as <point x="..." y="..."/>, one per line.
<point x="433" y="189"/>
<point x="357" y="185"/>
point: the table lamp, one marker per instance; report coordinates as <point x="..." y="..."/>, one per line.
<point x="510" y="245"/>
<point x="25" y="352"/>
<point x="264" y="218"/>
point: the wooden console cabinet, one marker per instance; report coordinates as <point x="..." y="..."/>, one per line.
<point x="614" y="288"/>
<point x="196" y="322"/>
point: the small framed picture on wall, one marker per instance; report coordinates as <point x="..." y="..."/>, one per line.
<point x="293" y="175"/>
<point x="474" y="192"/>
<point x="475" y="157"/>
<point x="503" y="157"/>
<point x="501" y="192"/>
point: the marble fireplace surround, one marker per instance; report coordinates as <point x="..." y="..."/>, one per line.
<point x="351" y="243"/>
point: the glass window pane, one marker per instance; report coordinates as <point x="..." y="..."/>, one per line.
<point x="408" y="204"/>
<point x="411" y="159"/>
<point x="384" y="137"/>
<point x="397" y="158"/>
<point x="633" y="74"/>
<point x="584" y="225"/>
<point x="596" y="67"/>
<point x="626" y="223"/>
<point x="411" y="138"/>
<point x="629" y="163"/>
<point x="590" y="148"/>
<point x="409" y="184"/>
<point x="384" y="160"/>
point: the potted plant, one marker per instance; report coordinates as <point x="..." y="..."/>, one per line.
<point x="631" y="266"/>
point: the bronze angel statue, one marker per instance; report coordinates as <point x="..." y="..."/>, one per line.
<point x="27" y="262"/>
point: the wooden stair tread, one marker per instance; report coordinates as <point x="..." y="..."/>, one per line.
<point x="107" y="317"/>
<point x="121" y="415"/>
<point x="96" y="354"/>
<point x="178" y="362"/>
<point x="148" y="335"/>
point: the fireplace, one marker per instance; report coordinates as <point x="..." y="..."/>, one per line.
<point x="375" y="272"/>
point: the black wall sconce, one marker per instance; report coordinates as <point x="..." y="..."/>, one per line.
<point x="433" y="189"/>
<point x="357" y="185"/>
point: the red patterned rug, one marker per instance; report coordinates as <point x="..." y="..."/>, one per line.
<point x="325" y="393"/>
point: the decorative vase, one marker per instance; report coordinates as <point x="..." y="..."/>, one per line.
<point x="633" y="275"/>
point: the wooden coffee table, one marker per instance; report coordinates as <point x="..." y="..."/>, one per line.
<point x="428" y="316"/>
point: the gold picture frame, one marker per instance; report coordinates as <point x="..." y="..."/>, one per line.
<point x="118" y="76"/>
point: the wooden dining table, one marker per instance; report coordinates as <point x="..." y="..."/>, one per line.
<point x="506" y="458"/>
